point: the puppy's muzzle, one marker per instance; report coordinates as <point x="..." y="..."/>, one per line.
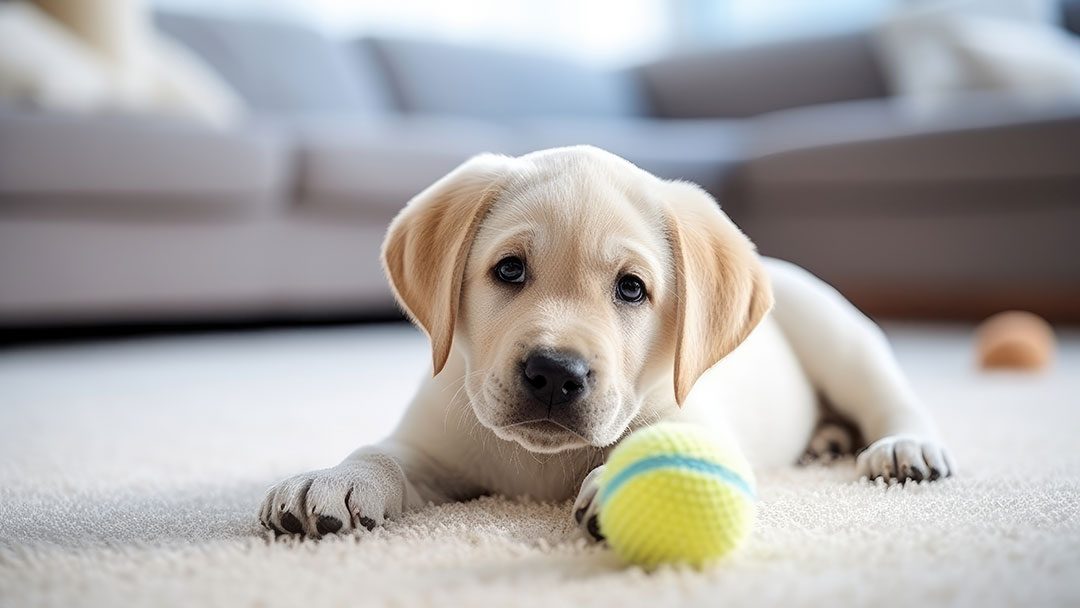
<point x="554" y="378"/>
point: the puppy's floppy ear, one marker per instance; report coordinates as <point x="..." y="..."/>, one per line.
<point x="721" y="285"/>
<point x="428" y="242"/>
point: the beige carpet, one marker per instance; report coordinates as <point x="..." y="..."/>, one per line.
<point x="130" y="472"/>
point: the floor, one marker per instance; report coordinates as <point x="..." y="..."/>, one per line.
<point x="130" y="472"/>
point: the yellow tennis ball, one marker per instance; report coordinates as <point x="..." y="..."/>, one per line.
<point x="672" y="493"/>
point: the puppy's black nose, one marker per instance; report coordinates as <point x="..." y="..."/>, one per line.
<point x="556" y="377"/>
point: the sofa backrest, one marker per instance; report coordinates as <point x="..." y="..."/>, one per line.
<point x="282" y="68"/>
<point x="442" y="78"/>
<point x="739" y="82"/>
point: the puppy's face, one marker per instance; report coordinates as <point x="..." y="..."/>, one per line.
<point x="574" y="285"/>
<point x="563" y="306"/>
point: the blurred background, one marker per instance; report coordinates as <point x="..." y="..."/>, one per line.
<point x="172" y="163"/>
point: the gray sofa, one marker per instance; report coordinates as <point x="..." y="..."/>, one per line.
<point x="121" y="218"/>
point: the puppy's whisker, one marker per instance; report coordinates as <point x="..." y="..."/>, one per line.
<point x="453" y="404"/>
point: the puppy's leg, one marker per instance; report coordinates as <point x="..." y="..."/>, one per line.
<point x="371" y="485"/>
<point x="833" y="439"/>
<point x="848" y="359"/>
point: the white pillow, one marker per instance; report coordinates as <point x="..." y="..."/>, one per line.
<point x="931" y="55"/>
<point x="49" y="64"/>
<point x="1036" y="62"/>
<point x="43" y="62"/>
<point x="184" y="86"/>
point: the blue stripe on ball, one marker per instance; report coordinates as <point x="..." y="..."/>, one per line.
<point x="668" y="461"/>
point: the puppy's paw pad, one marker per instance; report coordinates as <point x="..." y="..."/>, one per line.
<point x="290" y="523"/>
<point x="327" y="524"/>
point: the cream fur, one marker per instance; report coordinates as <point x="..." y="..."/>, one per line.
<point x="580" y="218"/>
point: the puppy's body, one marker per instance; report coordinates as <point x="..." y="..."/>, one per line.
<point x="570" y="298"/>
<point x="760" y="396"/>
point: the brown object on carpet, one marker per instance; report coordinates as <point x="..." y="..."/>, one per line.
<point x="1014" y="340"/>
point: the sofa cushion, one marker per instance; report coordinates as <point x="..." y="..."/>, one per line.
<point x="374" y="167"/>
<point x="740" y="82"/>
<point x="151" y="161"/>
<point x="281" y="68"/>
<point x="701" y="151"/>
<point x="439" y="78"/>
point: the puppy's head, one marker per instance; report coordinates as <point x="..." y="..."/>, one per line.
<point x="575" y="286"/>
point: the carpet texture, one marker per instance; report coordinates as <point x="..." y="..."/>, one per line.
<point x="130" y="473"/>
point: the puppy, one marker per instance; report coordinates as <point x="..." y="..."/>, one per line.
<point x="570" y="298"/>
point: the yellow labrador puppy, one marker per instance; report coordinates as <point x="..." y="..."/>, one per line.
<point x="571" y="297"/>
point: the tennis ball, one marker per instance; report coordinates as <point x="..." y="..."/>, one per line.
<point x="672" y="493"/>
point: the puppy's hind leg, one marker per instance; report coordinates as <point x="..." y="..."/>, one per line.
<point x="848" y="359"/>
<point x="834" y="438"/>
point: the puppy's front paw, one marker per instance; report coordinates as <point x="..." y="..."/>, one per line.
<point x="355" y="494"/>
<point x="587" y="505"/>
<point x="902" y="458"/>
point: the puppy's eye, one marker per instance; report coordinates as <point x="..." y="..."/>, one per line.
<point x="510" y="270"/>
<point x="630" y="289"/>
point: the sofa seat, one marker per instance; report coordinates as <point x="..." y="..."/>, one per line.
<point x="141" y="163"/>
